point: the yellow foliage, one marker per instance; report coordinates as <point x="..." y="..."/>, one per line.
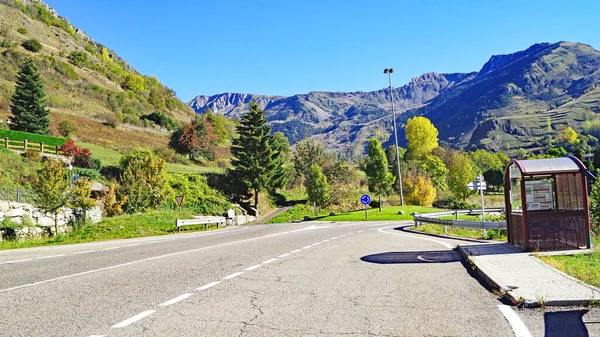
<point x="419" y="190"/>
<point x="422" y="137"/>
<point x="568" y="135"/>
<point x="112" y="206"/>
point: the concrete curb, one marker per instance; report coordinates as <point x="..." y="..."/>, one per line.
<point x="505" y="289"/>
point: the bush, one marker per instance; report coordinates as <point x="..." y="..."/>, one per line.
<point x="22" y="30"/>
<point x="111" y="120"/>
<point x="32" y="45"/>
<point x="33" y="155"/>
<point x="96" y="164"/>
<point x="91" y="174"/>
<point x="161" y="120"/>
<point x="79" y="58"/>
<point x="66" y="128"/>
<point x="453" y="203"/>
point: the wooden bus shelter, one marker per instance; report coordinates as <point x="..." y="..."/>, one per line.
<point x="547" y="204"/>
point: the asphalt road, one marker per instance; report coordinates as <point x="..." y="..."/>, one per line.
<point x="304" y="279"/>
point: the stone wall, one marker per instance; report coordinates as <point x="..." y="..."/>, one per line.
<point x="37" y="223"/>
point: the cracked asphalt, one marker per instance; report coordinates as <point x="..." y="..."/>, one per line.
<point x="304" y="279"/>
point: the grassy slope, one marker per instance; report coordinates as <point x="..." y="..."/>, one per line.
<point x="583" y="267"/>
<point x="388" y="213"/>
<point x="159" y="222"/>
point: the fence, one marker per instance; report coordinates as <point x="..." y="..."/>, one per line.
<point x="433" y="218"/>
<point x="24" y="145"/>
<point x="16" y="194"/>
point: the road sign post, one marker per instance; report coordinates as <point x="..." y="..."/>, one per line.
<point x="179" y="200"/>
<point x="481" y="186"/>
<point x="365" y="199"/>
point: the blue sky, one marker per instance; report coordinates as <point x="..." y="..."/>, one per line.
<point x="287" y="47"/>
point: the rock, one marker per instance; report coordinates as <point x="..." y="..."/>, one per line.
<point x="401" y="212"/>
<point x="1" y="215"/>
<point x="15" y="213"/>
<point x="4" y="206"/>
<point x="45" y="222"/>
<point x="306" y="218"/>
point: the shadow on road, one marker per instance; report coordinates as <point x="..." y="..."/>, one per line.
<point x="565" y="323"/>
<point x="442" y="256"/>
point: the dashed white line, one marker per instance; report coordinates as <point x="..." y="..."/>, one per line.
<point x="85" y="252"/>
<point x="359" y="231"/>
<point x="134" y="319"/>
<point x="97" y="336"/>
<point x="283" y="255"/>
<point x="228" y="277"/>
<point x="175" y="300"/>
<point x="316" y="244"/>
<point x="208" y="285"/>
<point x="253" y="267"/>
<point x="269" y="261"/>
<point x="351" y="233"/>
<point x="516" y="324"/>
<point x="306" y="247"/>
<point x="326" y="240"/>
<point x="133" y="245"/>
<point x="51" y="256"/>
<point x="341" y="236"/>
<point x="16" y="261"/>
<point x="295" y="251"/>
<point x="110" y="248"/>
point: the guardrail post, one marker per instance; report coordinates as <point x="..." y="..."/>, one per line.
<point x="6" y="142"/>
<point x="42" y="147"/>
<point x="455" y="215"/>
<point x="176" y="221"/>
<point x="25" y="144"/>
<point x="18" y="194"/>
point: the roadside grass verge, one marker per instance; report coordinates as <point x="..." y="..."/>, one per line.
<point x="388" y="213"/>
<point x="159" y="222"/>
<point x="583" y="267"/>
<point x="471" y="233"/>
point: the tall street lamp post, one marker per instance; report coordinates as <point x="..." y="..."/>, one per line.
<point x="389" y="72"/>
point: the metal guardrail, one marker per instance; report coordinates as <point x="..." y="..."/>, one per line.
<point x="16" y="194"/>
<point x="433" y="218"/>
<point x="201" y="220"/>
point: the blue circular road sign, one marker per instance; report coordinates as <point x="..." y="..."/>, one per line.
<point x="365" y="199"/>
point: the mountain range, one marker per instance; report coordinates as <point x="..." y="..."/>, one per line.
<point x="513" y="101"/>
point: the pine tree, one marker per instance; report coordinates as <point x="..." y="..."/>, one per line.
<point x="27" y="103"/>
<point x="256" y="164"/>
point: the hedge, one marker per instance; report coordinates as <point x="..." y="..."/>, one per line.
<point x="31" y="137"/>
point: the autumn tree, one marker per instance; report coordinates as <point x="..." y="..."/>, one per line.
<point x="568" y="135"/>
<point x="419" y="190"/>
<point x="51" y="188"/>
<point x="256" y="163"/>
<point x="379" y="177"/>
<point x="317" y="187"/>
<point x="422" y="137"/>
<point x="81" y="200"/>
<point x="197" y="139"/>
<point x="142" y="181"/>
<point x="28" y="101"/>
<point x="460" y="173"/>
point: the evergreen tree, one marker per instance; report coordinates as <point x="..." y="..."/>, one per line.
<point x="256" y="164"/>
<point x="27" y="103"/>
<point x="379" y="177"/>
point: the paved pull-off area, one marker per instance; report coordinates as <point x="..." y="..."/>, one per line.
<point x="305" y="279"/>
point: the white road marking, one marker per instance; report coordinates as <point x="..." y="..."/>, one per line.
<point x="85" y="252"/>
<point x="306" y="247"/>
<point x="381" y="230"/>
<point x="51" y="256"/>
<point x="316" y="244"/>
<point x="208" y="285"/>
<point x="16" y="261"/>
<point x="133" y="245"/>
<point x="351" y="233"/>
<point x="229" y="277"/>
<point x="359" y="231"/>
<point x="134" y="319"/>
<point x="253" y="267"/>
<point x="110" y="248"/>
<point x="516" y="324"/>
<point x="326" y="240"/>
<point x="283" y="255"/>
<point x="97" y="336"/>
<point x="175" y="300"/>
<point x="142" y="260"/>
<point x="341" y="236"/>
<point x="295" y="251"/>
<point x="269" y="261"/>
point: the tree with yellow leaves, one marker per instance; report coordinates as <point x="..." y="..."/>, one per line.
<point x="422" y="137"/>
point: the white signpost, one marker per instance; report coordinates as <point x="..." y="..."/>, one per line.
<point x="480" y="185"/>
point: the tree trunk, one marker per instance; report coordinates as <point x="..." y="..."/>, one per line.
<point x="380" y="207"/>
<point x="256" y="199"/>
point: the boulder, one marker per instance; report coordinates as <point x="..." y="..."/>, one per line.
<point x="15" y="213"/>
<point x="401" y="212"/>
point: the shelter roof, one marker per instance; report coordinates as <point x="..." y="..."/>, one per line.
<point x="550" y="165"/>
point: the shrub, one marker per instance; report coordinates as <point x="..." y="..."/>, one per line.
<point x="96" y="164"/>
<point x="161" y="120"/>
<point x="88" y="173"/>
<point x="453" y="203"/>
<point x="69" y="148"/>
<point x="83" y="159"/>
<point x="419" y="190"/>
<point x="66" y="128"/>
<point x="6" y="44"/>
<point x="32" y="45"/>
<point x="32" y="155"/>
<point x="111" y="120"/>
<point x="22" y="30"/>
<point x="79" y="58"/>
<point x="143" y="180"/>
